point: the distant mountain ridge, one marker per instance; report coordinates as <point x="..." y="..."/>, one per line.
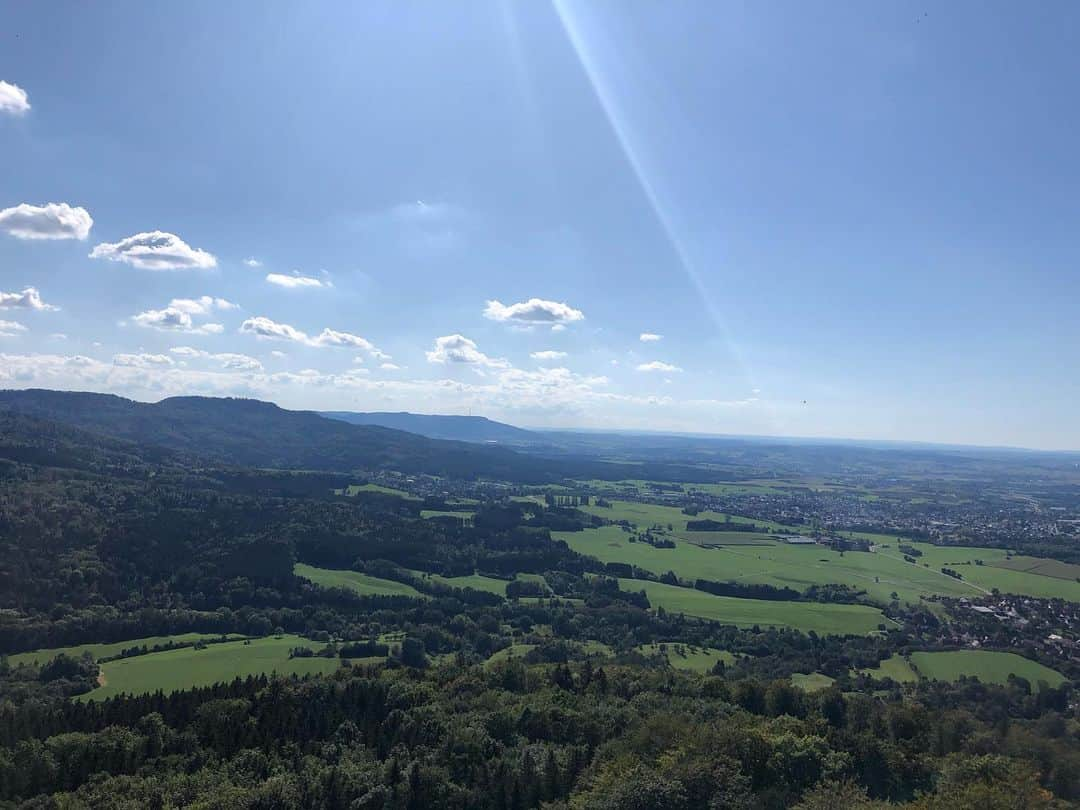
<point x="252" y="433"/>
<point x="440" y="426"/>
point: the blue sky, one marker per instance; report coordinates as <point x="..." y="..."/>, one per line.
<point x="842" y="219"/>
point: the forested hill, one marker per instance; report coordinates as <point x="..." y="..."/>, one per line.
<point x="441" y="426"/>
<point x="252" y="433"/>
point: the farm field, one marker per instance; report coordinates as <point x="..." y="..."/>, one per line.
<point x="185" y="668"/>
<point x="110" y="649"/>
<point x="805" y="616"/>
<point x="430" y="513"/>
<point x="507" y="653"/>
<point x="725" y="538"/>
<point x="477" y="582"/>
<point x="880" y="573"/>
<point x="688" y="657"/>
<point x="895" y="667"/>
<point x="355" y="489"/>
<point x="355" y="581"/>
<point x="988" y="666"/>
<point x="812" y="682"/>
<point x="1042" y="567"/>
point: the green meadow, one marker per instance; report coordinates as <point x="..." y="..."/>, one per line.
<point x="355" y="581"/>
<point x="355" y="489"/>
<point x="110" y="649"/>
<point x="812" y="682"/>
<point x="988" y="666"/>
<point x="879" y="573"/>
<point x="477" y="582"/>
<point x="185" y="668"/>
<point x="806" y="616"/>
<point x="895" y="667"/>
<point x="687" y="656"/>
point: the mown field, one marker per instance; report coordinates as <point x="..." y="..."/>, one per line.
<point x="110" y="649"/>
<point x="806" y="616"/>
<point x="895" y="667"/>
<point x="688" y="657"/>
<point x="986" y="665"/>
<point x="811" y="682"/>
<point x="1042" y="567"/>
<point x="355" y="581"/>
<point x="880" y="573"/>
<point x="174" y="670"/>
<point x="355" y="489"/>
<point x="477" y="582"/>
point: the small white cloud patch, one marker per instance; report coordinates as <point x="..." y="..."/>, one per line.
<point x="49" y="221"/>
<point x="535" y="310"/>
<point x="295" y="281"/>
<point x="548" y="355"/>
<point x="155" y="250"/>
<point x="11" y="328"/>
<point x="650" y="337"/>
<point x="29" y="298"/>
<point x="13" y="99"/>
<point x="658" y="365"/>
<point x="142" y="360"/>
<point x="459" y="349"/>
<point x="251" y="261"/>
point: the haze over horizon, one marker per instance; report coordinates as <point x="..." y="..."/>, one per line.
<point x="842" y="222"/>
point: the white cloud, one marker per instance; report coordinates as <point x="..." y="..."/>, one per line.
<point x="276" y="353"/>
<point x="548" y="355"/>
<point x="155" y="250"/>
<point x="58" y="336"/>
<point x="142" y="360"/>
<point x="29" y="298"/>
<point x="390" y="367"/>
<point x="11" y="328"/>
<point x="177" y="317"/>
<point x="294" y="281"/>
<point x="228" y="360"/>
<point x="559" y="327"/>
<point x="13" y="99"/>
<point x="459" y="349"/>
<point x="657" y="365"/>
<point x="49" y="221"/>
<point x="251" y="261"/>
<point x="535" y="310"/>
<point x="203" y="305"/>
<point x="263" y="327"/>
<point x="650" y="337"/>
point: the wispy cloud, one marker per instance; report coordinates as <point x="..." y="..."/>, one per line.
<point x="295" y="281"/>
<point x="650" y="337"/>
<point x="251" y="261"/>
<point x="263" y="327"/>
<point x="658" y="365"/>
<point x="548" y="355"/>
<point x="11" y="328"/>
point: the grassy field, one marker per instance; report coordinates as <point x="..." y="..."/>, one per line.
<point x="513" y="651"/>
<point x="726" y="538"/>
<point x="814" y="682"/>
<point x="895" y="667"/>
<point x="880" y="573"/>
<point x="182" y="669"/>
<point x="477" y="582"/>
<point x="688" y="657"/>
<point x="988" y="666"/>
<point x="1042" y="567"/>
<point x="430" y="513"/>
<point x="99" y="651"/>
<point x="355" y="581"/>
<point x="805" y="616"/>
<point x="355" y="489"/>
